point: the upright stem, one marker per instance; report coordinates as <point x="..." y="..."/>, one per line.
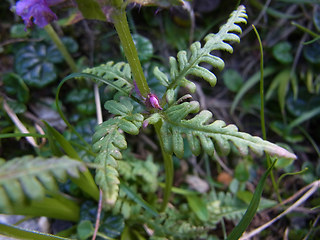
<point x="61" y="47"/>
<point x="121" y="24"/>
<point x="263" y="124"/>
<point x="168" y="168"/>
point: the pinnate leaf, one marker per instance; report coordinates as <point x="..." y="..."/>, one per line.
<point x="31" y="177"/>
<point x="189" y="64"/>
<point x="206" y="136"/>
<point x="109" y="140"/>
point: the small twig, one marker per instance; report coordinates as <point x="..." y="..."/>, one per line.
<point x="19" y="124"/>
<point x="99" y="120"/>
<point x="314" y="187"/>
<point x="96" y="228"/>
<point x="186" y="5"/>
<point x="257" y="20"/>
<point x="222" y="164"/>
<point x="98" y="103"/>
<point x="313" y="226"/>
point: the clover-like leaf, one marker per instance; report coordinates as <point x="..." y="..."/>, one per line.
<point x="35" y="64"/>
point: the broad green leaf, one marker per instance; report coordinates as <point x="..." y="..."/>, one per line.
<point x="85" y="230"/>
<point x="144" y="47"/>
<point x="232" y="79"/>
<point x="35" y="64"/>
<point x="198" y="206"/>
<point x="18" y="31"/>
<point x="71" y="45"/>
<point x="83" y="99"/>
<point x="112" y="226"/>
<point x="15" y="86"/>
<point x="252" y="208"/>
<point x="283" y="162"/>
<point x="91" y="9"/>
<point x="305" y="102"/>
<point x="241" y="172"/>
<point x="245" y="196"/>
<point x="282" y="52"/>
<point x="312" y="52"/>
<point x="316" y="17"/>
<point x="17" y="107"/>
<point x="283" y="88"/>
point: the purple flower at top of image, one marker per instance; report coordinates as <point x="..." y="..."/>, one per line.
<point x="36" y="12"/>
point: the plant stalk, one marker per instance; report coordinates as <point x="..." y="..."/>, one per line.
<point x="263" y="123"/>
<point x="121" y="24"/>
<point x="61" y="47"/>
<point x="168" y="168"/>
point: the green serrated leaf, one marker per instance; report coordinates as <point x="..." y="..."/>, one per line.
<point x="108" y="141"/>
<point x="116" y="75"/>
<point x="30" y="177"/>
<point x="162" y="77"/>
<point x="122" y="108"/>
<point x="208" y="137"/>
<point x="189" y="65"/>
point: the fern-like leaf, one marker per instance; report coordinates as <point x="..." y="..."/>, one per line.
<point x="188" y="64"/>
<point x="120" y="73"/>
<point x="109" y="140"/>
<point x="207" y="137"/>
<point x="28" y="178"/>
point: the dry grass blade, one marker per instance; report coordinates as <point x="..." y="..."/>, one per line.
<point x="313" y="188"/>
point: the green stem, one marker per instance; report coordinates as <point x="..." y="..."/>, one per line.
<point x="263" y="123"/>
<point x="121" y="24"/>
<point x="168" y="168"/>
<point x="62" y="48"/>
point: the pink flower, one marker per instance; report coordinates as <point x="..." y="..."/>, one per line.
<point x="153" y="101"/>
<point x="36" y="12"/>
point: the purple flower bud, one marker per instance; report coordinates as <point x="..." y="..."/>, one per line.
<point x="153" y="101"/>
<point x="145" y="123"/>
<point x="36" y="12"/>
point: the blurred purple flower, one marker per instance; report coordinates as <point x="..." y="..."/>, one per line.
<point x="36" y="12"/>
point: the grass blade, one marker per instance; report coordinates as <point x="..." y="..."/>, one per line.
<point x="252" y="208"/>
<point x="20" y="233"/>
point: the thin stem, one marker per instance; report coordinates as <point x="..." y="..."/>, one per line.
<point x="121" y="24"/>
<point x="61" y="47"/>
<point x="168" y="167"/>
<point x="263" y="124"/>
<point x="96" y="228"/>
